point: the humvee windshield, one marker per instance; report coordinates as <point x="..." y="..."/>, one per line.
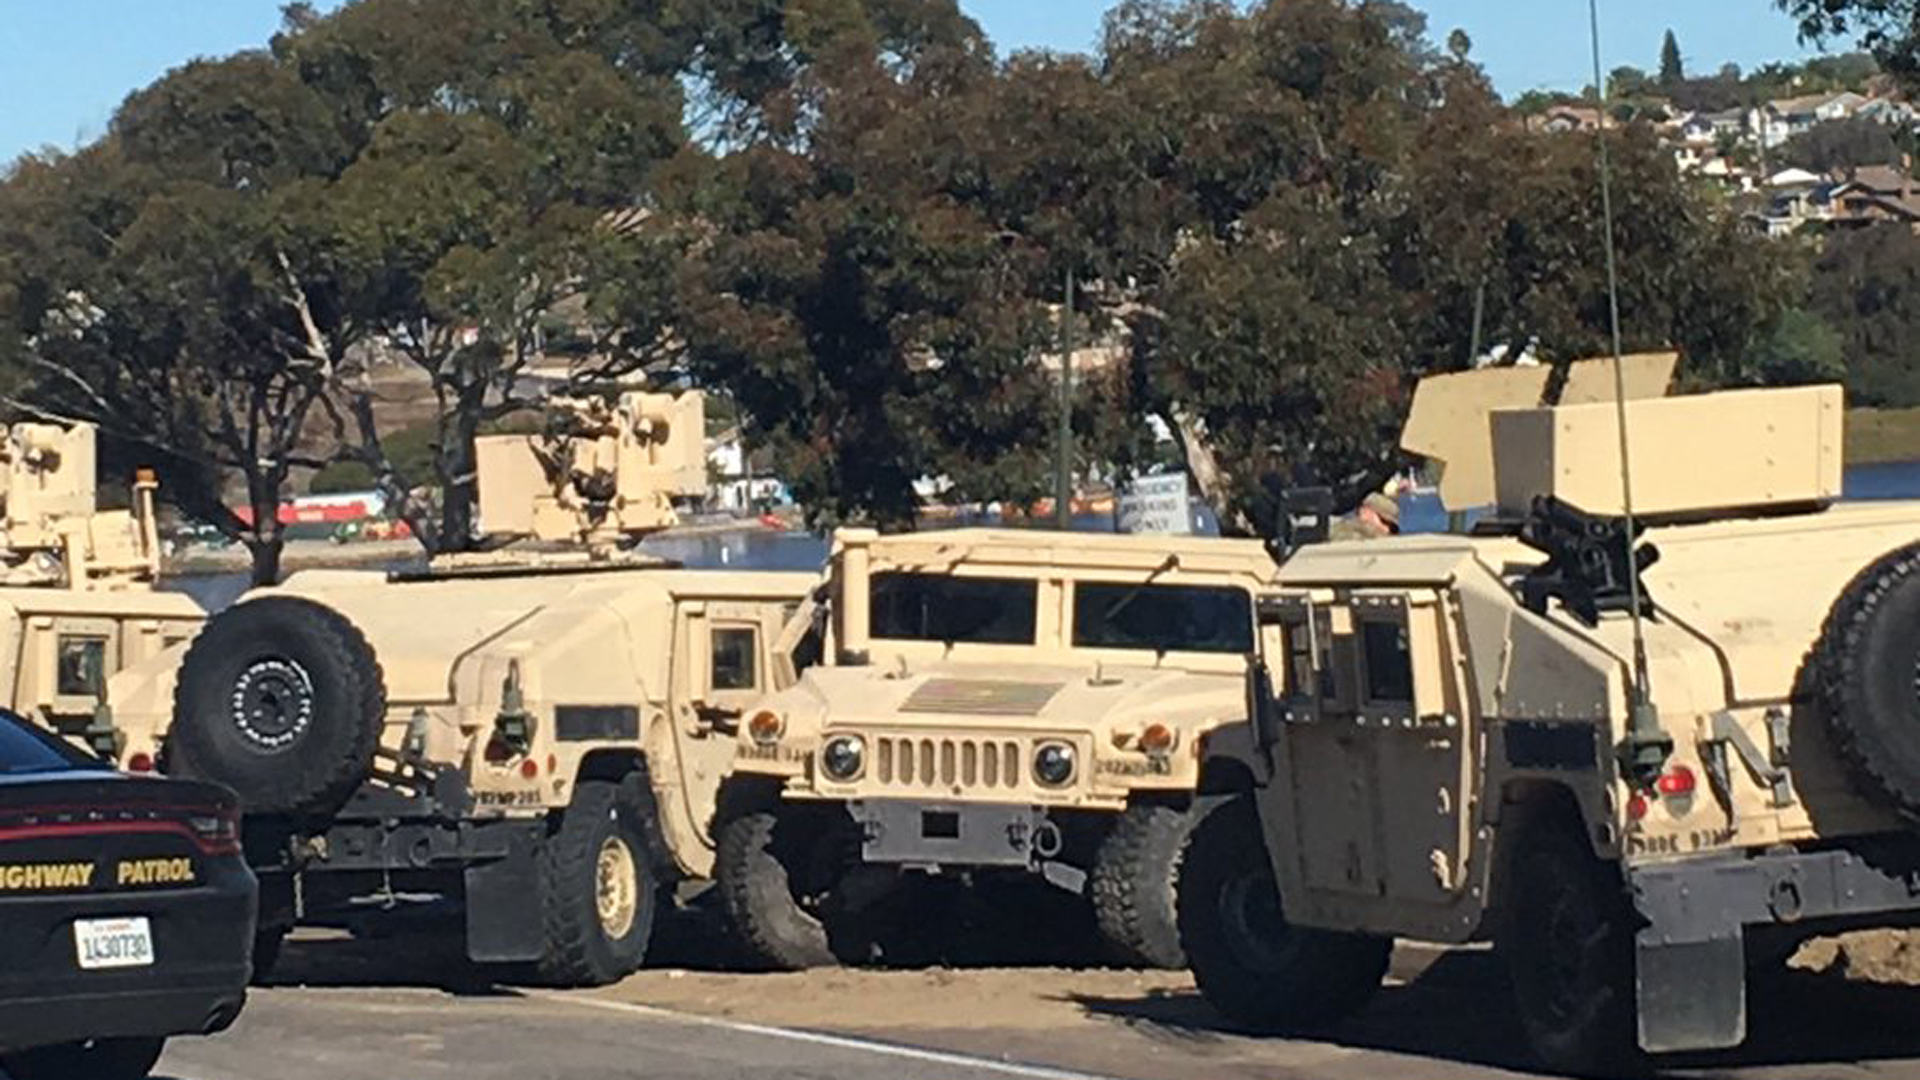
<point x="944" y="608"/>
<point x="1163" y="618"/>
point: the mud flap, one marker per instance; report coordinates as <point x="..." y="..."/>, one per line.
<point x="1689" y="960"/>
<point x="503" y="920"/>
<point x="1690" y="995"/>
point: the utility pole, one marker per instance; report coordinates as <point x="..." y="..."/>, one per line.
<point x="1063" y="468"/>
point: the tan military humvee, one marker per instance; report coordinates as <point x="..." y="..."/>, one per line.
<point x="1455" y="737"/>
<point x="77" y="596"/>
<point x="992" y="700"/>
<point x="539" y="734"/>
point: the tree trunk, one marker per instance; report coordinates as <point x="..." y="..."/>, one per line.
<point x="458" y="484"/>
<point x="1214" y="485"/>
<point x="264" y="539"/>
<point x="266" y="557"/>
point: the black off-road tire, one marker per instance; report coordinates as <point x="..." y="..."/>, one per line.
<point x="1257" y="970"/>
<point x="101" y="1059"/>
<point x="280" y="699"/>
<point x="1866" y="680"/>
<point x="599" y="893"/>
<point x="751" y="873"/>
<point x="1133" y="881"/>
<point x="1567" y="942"/>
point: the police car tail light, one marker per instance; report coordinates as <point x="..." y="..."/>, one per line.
<point x="218" y="832"/>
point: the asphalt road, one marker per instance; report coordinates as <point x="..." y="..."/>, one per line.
<point x="308" y="1034"/>
<point x="1443" y="1016"/>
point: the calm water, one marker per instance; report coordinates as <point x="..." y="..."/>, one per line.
<point x="767" y="549"/>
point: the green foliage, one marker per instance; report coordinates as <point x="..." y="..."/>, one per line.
<point x="1866" y="285"/>
<point x="411" y="450"/>
<point x="1630" y="82"/>
<point x="854" y="221"/>
<point x="1888" y="29"/>
<point x="1799" y="348"/>
<point x="873" y="325"/>
<point x="1672" y="68"/>
<point x="1842" y="144"/>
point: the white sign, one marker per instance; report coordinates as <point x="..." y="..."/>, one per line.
<point x="1157" y="504"/>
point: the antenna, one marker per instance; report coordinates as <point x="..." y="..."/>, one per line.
<point x="1643" y="754"/>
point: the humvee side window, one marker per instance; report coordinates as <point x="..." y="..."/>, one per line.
<point x="944" y="608"/>
<point x="82" y="664"/>
<point x="734" y="649"/>
<point x="1297" y="674"/>
<point x="1389" y="662"/>
<point x="1163" y="618"/>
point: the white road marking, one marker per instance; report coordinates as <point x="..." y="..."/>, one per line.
<point x="838" y="1042"/>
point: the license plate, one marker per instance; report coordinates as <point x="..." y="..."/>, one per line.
<point x="113" y="943"/>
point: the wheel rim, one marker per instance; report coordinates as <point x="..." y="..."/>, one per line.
<point x="616" y="892"/>
<point x="272" y="704"/>
<point x="1251" y="921"/>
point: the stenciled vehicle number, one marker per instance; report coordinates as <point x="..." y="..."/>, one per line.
<point x="113" y="943"/>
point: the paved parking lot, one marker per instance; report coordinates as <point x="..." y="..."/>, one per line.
<point x="347" y="1012"/>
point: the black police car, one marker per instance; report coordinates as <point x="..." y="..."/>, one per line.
<point x="126" y="912"/>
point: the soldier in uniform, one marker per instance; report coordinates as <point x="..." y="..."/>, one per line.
<point x="1377" y="515"/>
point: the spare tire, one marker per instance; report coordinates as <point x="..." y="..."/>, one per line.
<point x="1866" y="679"/>
<point x="280" y="699"/>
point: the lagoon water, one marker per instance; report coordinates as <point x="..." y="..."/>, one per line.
<point x="769" y="549"/>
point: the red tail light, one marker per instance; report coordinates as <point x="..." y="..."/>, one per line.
<point x="215" y="830"/>
<point x="1676" y="781"/>
<point x="217" y="833"/>
<point x="140" y="763"/>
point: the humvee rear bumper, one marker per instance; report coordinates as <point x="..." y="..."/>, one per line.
<point x="493" y="861"/>
<point x="906" y="832"/>
<point x="1690" y="956"/>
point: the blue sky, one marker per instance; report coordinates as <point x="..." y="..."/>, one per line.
<point x="65" y="64"/>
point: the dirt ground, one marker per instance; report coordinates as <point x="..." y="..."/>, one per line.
<point x="998" y="998"/>
<point x="1884" y="957"/>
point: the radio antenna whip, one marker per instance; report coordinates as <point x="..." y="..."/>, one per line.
<point x="1644" y="752"/>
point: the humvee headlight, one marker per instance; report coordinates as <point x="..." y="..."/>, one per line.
<point x="1053" y="764"/>
<point x="843" y="757"/>
<point x="766" y="728"/>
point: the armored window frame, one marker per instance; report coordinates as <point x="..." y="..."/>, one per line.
<point x="1419" y="687"/>
<point x="733" y="658"/>
<point x="1386" y="663"/>
<point x="80" y="664"/>
<point x="1297" y="642"/>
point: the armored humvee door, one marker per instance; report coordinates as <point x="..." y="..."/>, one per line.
<point x="59" y="646"/>
<point x="1370" y="749"/>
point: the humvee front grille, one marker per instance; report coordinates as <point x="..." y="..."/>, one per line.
<point x="928" y="762"/>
